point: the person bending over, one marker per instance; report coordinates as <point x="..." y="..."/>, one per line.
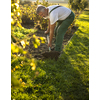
<point x="63" y="16"/>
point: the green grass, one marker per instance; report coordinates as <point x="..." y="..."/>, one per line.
<point x="69" y="76"/>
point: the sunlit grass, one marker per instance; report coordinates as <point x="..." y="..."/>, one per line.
<point x="77" y="54"/>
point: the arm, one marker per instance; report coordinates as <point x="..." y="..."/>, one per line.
<point x="52" y="27"/>
<point x="46" y="32"/>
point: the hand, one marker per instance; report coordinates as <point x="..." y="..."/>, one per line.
<point x="49" y="45"/>
<point x="46" y="32"/>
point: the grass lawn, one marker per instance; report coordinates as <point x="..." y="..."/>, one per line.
<point x="69" y="75"/>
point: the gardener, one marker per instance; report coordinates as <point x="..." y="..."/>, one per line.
<point x="63" y="16"/>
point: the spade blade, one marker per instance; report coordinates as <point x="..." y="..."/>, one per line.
<point x="52" y="54"/>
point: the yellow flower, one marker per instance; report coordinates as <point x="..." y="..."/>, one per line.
<point x="27" y="43"/>
<point x="35" y="45"/>
<point x="13" y="69"/>
<point x="21" y="65"/>
<point x="37" y="41"/>
<point x="18" y="14"/>
<point x="23" y="83"/>
<point x="22" y="27"/>
<point x="16" y="67"/>
<point x="12" y="21"/>
<point x="34" y="36"/>
<point x="42" y="41"/>
<point x="14" y="10"/>
<point x="20" y="80"/>
<point x="33" y="67"/>
<point x="32" y="64"/>
<point x="17" y="6"/>
<point x="12" y="14"/>
<point x="14" y="55"/>
<point x="19" y="24"/>
<point x="17" y="1"/>
<point x="24" y="52"/>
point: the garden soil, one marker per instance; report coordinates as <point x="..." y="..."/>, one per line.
<point x="37" y="52"/>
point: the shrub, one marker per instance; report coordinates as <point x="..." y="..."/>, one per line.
<point x="29" y="15"/>
<point x="78" y="4"/>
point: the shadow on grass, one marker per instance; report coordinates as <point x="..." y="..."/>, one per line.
<point x="65" y="78"/>
<point x="86" y="17"/>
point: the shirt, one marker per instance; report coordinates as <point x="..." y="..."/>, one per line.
<point x="59" y="13"/>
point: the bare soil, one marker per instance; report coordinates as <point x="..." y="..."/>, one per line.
<point x="37" y="52"/>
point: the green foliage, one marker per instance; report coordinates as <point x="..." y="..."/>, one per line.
<point x="14" y="81"/>
<point x="22" y="32"/>
<point x="17" y="31"/>
<point x="25" y="85"/>
<point x="78" y="4"/>
<point x="23" y="69"/>
<point x="15" y="13"/>
<point x="16" y="49"/>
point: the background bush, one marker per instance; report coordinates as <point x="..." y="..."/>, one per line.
<point x="29" y="16"/>
<point x="78" y="4"/>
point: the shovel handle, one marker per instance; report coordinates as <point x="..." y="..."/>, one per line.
<point x="48" y="38"/>
<point x="48" y="41"/>
<point x="49" y="49"/>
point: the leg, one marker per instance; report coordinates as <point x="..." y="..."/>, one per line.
<point x="61" y="30"/>
<point x="55" y="31"/>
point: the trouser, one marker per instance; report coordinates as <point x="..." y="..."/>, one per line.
<point x="61" y="29"/>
